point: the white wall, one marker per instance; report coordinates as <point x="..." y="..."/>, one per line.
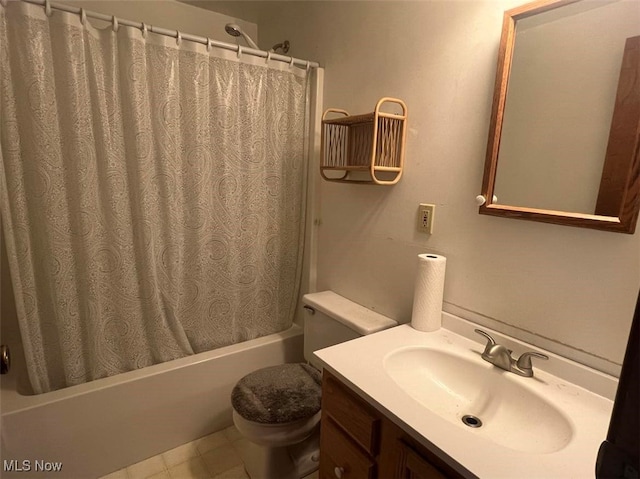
<point x="570" y="290"/>
<point x="172" y="15"/>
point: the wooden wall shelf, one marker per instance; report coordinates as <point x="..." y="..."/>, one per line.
<point x="372" y="143"/>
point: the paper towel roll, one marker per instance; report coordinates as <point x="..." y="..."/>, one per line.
<point x="428" y="292"/>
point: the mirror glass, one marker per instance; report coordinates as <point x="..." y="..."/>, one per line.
<point x="559" y="81"/>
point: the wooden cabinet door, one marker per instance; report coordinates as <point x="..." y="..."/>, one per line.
<point x="414" y="466"/>
<point x="340" y="457"/>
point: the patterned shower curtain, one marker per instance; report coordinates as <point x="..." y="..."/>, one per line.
<point x="152" y="194"/>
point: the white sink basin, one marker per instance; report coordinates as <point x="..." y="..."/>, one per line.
<point x="547" y="426"/>
<point x="454" y="386"/>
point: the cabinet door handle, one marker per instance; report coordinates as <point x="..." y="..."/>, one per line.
<point x="338" y="471"/>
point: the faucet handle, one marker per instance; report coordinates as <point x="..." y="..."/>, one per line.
<point x="524" y="361"/>
<point x="490" y="341"/>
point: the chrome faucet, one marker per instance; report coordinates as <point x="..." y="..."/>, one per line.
<point x="500" y="356"/>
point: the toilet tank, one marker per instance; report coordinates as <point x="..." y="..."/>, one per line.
<point x="333" y="319"/>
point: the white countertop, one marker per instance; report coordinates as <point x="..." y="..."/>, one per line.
<point x="570" y="389"/>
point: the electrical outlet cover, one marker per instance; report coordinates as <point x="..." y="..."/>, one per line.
<point x="425" y="217"/>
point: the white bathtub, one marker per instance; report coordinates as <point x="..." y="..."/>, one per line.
<point x="102" y="426"/>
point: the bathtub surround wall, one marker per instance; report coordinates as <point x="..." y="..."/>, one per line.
<point x="153" y="194"/>
<point x="566" y="289"/>
<point x="102" y="426"/>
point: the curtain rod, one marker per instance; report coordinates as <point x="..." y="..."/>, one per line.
<point x="116" y="22"/>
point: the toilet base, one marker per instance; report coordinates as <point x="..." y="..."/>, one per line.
<point x="287" y="462"/>
<point x="306" y="455"/>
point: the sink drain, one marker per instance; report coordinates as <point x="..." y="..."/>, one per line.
<point x="471" y="421"/>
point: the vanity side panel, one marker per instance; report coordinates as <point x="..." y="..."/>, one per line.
<point x="357" y="418"/>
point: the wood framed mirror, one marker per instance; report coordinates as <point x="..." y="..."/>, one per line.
<point x="563" y="143"/>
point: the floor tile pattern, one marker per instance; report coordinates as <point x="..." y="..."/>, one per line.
<point x="217" y="456"/>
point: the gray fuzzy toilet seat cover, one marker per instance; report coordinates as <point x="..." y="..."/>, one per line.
<point x="278" y="394"/>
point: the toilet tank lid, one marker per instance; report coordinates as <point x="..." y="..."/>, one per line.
<point x="353" y="315"/>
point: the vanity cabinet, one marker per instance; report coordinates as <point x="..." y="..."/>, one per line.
<point x="359" y="442"/>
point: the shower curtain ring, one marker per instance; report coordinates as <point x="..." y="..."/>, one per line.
<point x="239" y="51"/>
<point x="47" y="8"/>
<point x="208" y="44"/>
<point x="308" y="66"/>
<point x="291" y="63"/>
<point x="83" y="16"/>
<point x="114" y="23"/>
<point x="145" y="30"/>
<point x="178" y="38"/>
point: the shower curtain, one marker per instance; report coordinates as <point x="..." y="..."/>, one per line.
<point x="152" y="194"/>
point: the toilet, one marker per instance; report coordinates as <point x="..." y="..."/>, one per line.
<point x="277" y="408"/>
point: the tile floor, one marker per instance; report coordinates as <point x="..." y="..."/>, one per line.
<point x="217" y="456"/>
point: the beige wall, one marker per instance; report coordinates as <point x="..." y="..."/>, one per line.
<point x="570" y="290"/>
<point x="170" y="14"/>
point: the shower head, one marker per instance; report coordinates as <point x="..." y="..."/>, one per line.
<point x="232" y="29"/>
<point x="235" y="31"/>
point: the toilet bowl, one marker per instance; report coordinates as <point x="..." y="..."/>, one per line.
<point x="286" y="451"/>
<point x="277" y="435"/>
<point x="277" y="409"/>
